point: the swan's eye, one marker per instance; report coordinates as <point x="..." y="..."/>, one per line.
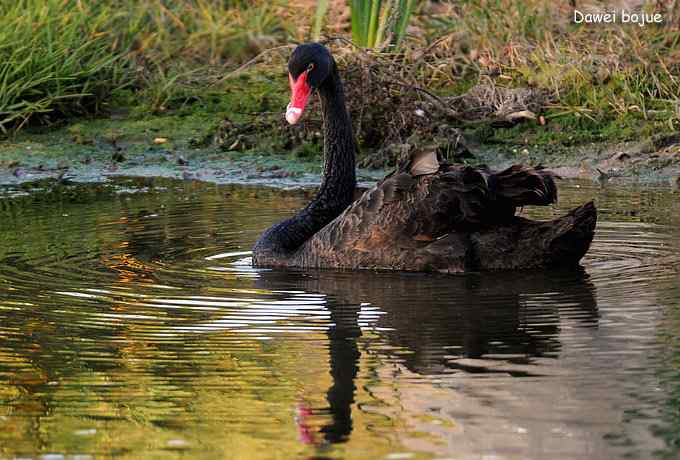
<point x="310" y="67"/>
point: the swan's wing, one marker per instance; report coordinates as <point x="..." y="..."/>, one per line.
<point x="403" y="214"/>
<point x="369" y="228"/>
<point x="467" y="199"/>
<point x="523" y="185"/>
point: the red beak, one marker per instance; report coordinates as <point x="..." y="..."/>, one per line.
<point x="300" y="92"/>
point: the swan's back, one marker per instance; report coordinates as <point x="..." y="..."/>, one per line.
<point x="436" y="222"/>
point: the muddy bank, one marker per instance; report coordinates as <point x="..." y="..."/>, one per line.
<point x="150" y="153"/>
<point x="655" y="160"/>
<point x="159" y="154"/>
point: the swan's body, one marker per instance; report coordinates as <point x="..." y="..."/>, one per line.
<point x="426" y="216"/>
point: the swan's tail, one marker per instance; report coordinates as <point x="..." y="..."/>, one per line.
<point x="572" y="237"/>
<point x="524" y="243"/>
<point x="523" y="185"/>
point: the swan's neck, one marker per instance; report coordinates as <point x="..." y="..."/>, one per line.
<point x="339" y="180"/>
<point x="337" y="186"/>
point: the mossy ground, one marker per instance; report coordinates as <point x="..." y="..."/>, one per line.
<point x="186" y="140"/>
<point x="237" y="131"/>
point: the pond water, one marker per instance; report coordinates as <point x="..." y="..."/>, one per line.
<point x="132" y="326"/>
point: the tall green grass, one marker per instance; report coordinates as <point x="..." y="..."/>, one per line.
<point x="61" y="58"/>
<point x="378" y="23"/>
<point x="56" y="57"/>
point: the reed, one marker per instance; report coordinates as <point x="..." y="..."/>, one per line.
<point x="378" y="23"/>
<point x="321" y="10"/>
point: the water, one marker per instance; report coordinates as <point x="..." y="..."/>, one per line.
<point x="132" y="326"/>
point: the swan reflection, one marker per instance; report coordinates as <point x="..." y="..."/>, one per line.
<point x="440" y="326"/>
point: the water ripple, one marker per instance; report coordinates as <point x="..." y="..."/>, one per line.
<point x="133" y="324"/>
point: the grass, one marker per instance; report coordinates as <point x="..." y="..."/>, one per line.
<point x="56" y="58"/>
<point x="377" y="24"/>
<point x="596" y="77"/>
<point x="65" y="59"/>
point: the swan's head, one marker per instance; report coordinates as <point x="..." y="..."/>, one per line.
<point x="308" y="66"/>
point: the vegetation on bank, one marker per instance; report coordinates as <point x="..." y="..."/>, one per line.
<point x="503" y="71"/>
<point x="64" y="58"/>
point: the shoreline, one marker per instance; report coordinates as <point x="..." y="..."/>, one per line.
<point x="630" y="162"/>
<point x="241" y="137"/>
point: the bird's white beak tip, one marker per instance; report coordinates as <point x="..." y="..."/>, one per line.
<point x="293" y="114"/>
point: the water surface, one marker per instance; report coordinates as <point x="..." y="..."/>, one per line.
<point x="132" y="326"/>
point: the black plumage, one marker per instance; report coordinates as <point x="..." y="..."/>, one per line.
<point x="449" y="218"/>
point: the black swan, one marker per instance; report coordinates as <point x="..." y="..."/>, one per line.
<point x="426" y="216"/>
